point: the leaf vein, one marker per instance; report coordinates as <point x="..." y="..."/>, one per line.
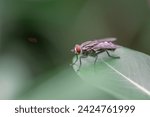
<point x="128" y="79"/>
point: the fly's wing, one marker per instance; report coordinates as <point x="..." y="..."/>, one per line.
<point x="91" y="43"/>
<point x="88" y="45"/>
<point x="111" y="39"/>
<point x="105" y="46"/>
<point x="106" y="43"/>
<point x="99" y="44"/>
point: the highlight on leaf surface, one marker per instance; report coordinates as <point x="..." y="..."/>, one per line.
<point x="126" y="78"/>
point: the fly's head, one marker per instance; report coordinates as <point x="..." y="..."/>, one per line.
<point x="77" y="49"/>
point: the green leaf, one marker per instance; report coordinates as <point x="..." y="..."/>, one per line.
<point x="61" y="84"/>
<point x="126" y="78"/>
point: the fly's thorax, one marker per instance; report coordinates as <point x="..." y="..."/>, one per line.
<point x="86" y="52"/>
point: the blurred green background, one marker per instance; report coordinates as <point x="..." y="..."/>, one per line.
<point x="36" y="37"/>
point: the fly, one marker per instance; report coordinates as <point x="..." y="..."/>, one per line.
<point x="93" y="48"/>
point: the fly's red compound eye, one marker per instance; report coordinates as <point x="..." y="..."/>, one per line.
<point x="77" y="49"/>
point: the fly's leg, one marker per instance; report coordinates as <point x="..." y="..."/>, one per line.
<point x="75" y="60"/>
<point x="117" y="57"/>
<point x="80" y="62"/>
<point x="96" y="57"/>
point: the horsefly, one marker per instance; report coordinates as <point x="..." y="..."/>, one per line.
<point x="93" y="48"/>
